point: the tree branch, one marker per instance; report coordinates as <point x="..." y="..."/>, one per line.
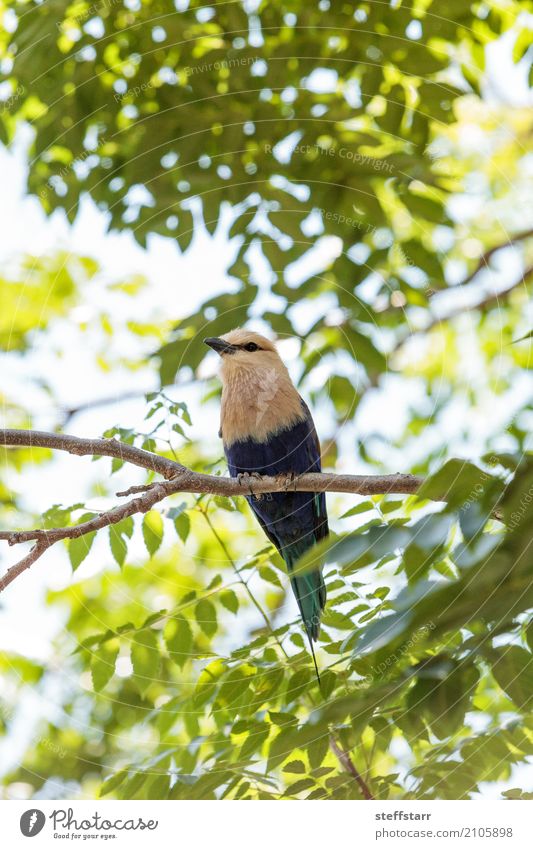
<point x="349" y="766"/>
<point x="483" y="260"/>
<point x="17" y="569"/>
<point x="484" y="304"/>
<point x="155" y="493"/>
<point x="95" y="447"/>
<point x="178" y="479"/>
<point x="106" y="401"/>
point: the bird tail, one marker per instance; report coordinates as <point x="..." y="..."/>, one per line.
<point x="309" y="589"/>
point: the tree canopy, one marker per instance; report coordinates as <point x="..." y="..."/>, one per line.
<point x="373" y="186"/>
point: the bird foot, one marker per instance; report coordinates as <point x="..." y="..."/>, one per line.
<point x="287" y="479"/>
<point x="246" y="478"/>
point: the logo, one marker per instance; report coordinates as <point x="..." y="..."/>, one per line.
<point x="32" y="822"/>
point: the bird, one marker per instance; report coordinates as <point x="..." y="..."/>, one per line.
<point x="267" y="429"/>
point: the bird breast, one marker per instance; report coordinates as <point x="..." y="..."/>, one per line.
<point x="258" y="403"/>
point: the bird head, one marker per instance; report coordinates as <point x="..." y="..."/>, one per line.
<point x="258" y="396"/>
<point x="243" y="350"/>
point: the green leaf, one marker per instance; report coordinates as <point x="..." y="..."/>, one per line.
<point x="299" y="786"/>
<point x="529" y="635"/>
<point x="116" y="465"/>
<point x="317" y="750"/>
<point x="328" y="680"/>
<point x="457" y="482"/>
<point x="513" y="670"/>
<point x="379" y="634"/>
<point x="268" y="574"/>
<point x="103" y="663"/>
<point x="528" y="335"/>
<point x="363" y="507"/>
<point x="229" y="600"/>
<point x="206" y="616"/>
<point x="179" y="639"/>
<point x="182" y="523"/>
<point x="118" y="534"/>
<point x="208" y="682"/>
<point x="355" y="550"/>
<point x="442" y="694"/>
<point x="181" y="520"/>
<point x="152" y="528"/>
<point x="145" y="659"/>
<point x="295" y="767"/>
<point x="225" y="503"/>
<point x="113" y="782"/>
<point x="298" y="684"/>
<point x="79" y="548"/>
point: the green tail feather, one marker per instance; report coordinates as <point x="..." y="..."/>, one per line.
<point x="309" y="589"/>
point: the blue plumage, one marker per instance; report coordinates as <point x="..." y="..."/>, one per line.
<point x="293" y="521"/>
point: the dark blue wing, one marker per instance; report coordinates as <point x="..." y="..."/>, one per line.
<point x="293" y="521"/>
<point x="296" y="450"/>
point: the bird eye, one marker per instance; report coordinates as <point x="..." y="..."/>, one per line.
<point x="251" y="346"/>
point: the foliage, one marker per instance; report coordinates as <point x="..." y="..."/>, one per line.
<point x="331" y="145"/>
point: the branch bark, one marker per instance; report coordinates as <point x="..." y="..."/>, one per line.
<point x="178" y="479"/>
<point x="349" y="766"/>
<point x="485" y="303"/>
<point x="20" y="567"/>
<point x="106" y="401"/>
<point x="483" y="261"/>
<point x="95" y="447"/>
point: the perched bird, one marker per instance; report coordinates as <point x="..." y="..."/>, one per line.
<point x="267" y="429"/>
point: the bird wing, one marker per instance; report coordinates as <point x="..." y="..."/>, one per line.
<point x="295" y="450"/>
<point x="319" y="500"/>
<point x="293" y="521"/>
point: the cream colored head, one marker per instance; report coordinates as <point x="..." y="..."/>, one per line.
<point x="258" y="396"/>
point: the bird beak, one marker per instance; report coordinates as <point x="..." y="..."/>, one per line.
<point x="220" y="345"/>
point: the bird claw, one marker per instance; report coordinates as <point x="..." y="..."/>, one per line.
<point x="245" y="478"/>
<point x="287" y="479"/>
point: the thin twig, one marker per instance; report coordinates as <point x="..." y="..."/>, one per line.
<point x="110" y="400"/>
<point x="484" y="304"/>
<point x="47" y="538"/>
<point x="17" y="568"/>
<point x="157" y="492"/>
<point x="483" y="260"/>
<point x="349" y="766"/>
<point x="241" y="580"/>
